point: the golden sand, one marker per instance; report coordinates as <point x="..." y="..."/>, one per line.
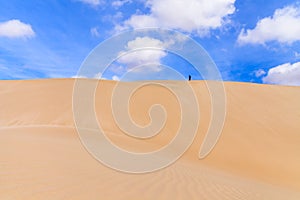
<point x="41" y="155"/>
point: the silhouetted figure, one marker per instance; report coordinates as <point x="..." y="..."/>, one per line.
<point x="190" y="77"/>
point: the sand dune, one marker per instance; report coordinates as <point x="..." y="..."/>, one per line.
<point x="42" y="157"/>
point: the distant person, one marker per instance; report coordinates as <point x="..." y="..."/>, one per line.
<point x="190" y="77"/>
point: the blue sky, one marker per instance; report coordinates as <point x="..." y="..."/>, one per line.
<point x="251" y="41"/>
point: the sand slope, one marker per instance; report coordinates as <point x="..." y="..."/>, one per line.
<point x="41" y="156"/>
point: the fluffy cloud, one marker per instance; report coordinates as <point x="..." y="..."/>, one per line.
<point x="283" y="26"/>
<point x="286" y="74"/>
<point x="15" y="29"/>
<point x="198" y="16"/>
<point x="115" y="78"/>
<point x="92" y="2"/>
<point x="140" y="54"/>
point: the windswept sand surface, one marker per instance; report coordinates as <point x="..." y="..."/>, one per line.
<point x="41" y="156"/>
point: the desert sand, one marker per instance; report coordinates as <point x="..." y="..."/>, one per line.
<point x="42" y="157"/>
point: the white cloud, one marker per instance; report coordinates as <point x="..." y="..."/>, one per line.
<point x="77" y="76"/>
<point x="140" y="54"/>
<point x="260" y="73"/>
<point x="120" y="3"/>
<point x="16" y="29"/>
<point x="198" y="16"/>
<point x="115" y="78"/>
<point x="97" y="76"/>
<point x="92" y="2"/>
<point x="94" y="32"/>
<point x="285" y="74"/>
<point x="283" y="26"/>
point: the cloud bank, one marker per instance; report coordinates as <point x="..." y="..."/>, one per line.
<point x="192" y="16"/>
<point x="285" y="74"/>
<point x="283" y="27"/>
